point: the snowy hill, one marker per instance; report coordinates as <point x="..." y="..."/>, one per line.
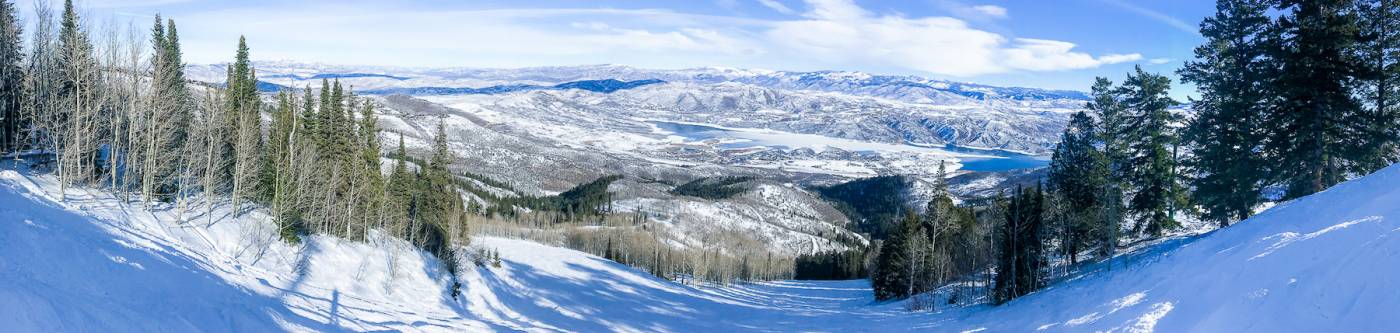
<point x="1325" y="262"/>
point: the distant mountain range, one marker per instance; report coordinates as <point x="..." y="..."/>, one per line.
<point x="610" y="78"/>
<point x="602" y="86"/>
<point x="898" y="109"/>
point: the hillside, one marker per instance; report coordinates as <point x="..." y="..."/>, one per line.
<point x="1321" y="263"/>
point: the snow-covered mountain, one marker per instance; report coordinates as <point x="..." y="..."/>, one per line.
<point x="885" y="108"/>
<point x="899" y="87"/>
<point x="1321" y="263"/>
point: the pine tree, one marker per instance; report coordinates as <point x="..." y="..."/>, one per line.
<point x="169" y="114"/>
<point x="939" y="210"/>
<point x="1151" y="144"/>
<point x="1311" y="123"/>
<point x="442" y="204"/>
<point x="1021" y="259"/>
<point x="1106" y="107"/>
<point x="1226" y="136"/>
<point x="893" y="275"/>
<point x="309" y="118"/>
<point x="325" y="123"/>
<point x="1078" y="174"/>
<point x="400" y="190"/>
<point x="246" y="106"/>
<point x="337" y="124"/>
<point x="1379" y="53"/>
<point x="11" y="77"/>
<point x="373" y="182"/>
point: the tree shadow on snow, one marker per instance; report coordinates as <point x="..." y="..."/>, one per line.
<point x="60" y="271"/>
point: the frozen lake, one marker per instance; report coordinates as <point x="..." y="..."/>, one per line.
<point x="973" y="159"/>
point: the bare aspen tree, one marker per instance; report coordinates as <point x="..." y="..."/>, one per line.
<point x="210" y="128"/>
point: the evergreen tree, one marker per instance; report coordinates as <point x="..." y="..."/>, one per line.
<point x="282" y="145"/>
<point x="1021" y="259"/>
<point x="325" y="123"/>
<point x="338" y="126"/>
<point x="1113" y="123"/>
<point x="1312" y="120"/>
<point x="178" y="116"/>
<point x="309" y="118"/>
<point x="939" y="212"/>
<point x="1226" y="136"/>
<point x="1078" y="174"/>
<point x="246" y="107"/>
<point x="11" y="77"/>
<point x="442" y="199"/>
<point x="400" y="189"/>
<point x="167" y="126"/>
<point x="1379" y="131"/>
<point x="894" y="275"/>
<point x="1151" y="146"/>
<point x="369" y="155"/>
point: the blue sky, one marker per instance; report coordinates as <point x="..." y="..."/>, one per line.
<point x="1059" y="44"/>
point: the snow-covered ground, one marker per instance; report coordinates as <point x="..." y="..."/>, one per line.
<point x="1324" y="263"/>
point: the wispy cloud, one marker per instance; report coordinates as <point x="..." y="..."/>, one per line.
<point x="1159" y="61"/>
<point x="1156" y="16"/>
<point x="776" y="6"/>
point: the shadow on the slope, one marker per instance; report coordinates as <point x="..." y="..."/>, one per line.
<point x="433" y="268"/>
<point x="85" y="278"/>
<point x="590" y="303"/>
<point x="594" y="299"/>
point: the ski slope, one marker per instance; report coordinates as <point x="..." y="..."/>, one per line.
<point x="1327" y="262"/>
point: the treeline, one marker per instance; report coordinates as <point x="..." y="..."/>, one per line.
<point x="584" y="202"/>
<point x="831" y="265"/>
<point x="120" y="113"/>
<point x="722" y="259"/>
<point x="713" y="188"/>
<point x="633" y="239"/>
<point x="873" y="204"/>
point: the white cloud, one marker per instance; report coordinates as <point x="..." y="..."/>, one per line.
<point x="838" y="31"/>
<point x="835" y="10"/>
<point x="991" y="10"/>
<point x="828" y="34"/>
<point x="776" y="6"/>
<point x="1048" y="55"/>
<point x="1159" y="61"/>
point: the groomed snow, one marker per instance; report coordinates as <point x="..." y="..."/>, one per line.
<point x="1324" y="263"/>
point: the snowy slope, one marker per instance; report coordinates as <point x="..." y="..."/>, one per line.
<point x="1326" y="262"/>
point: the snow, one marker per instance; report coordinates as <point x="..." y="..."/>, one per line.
<point x="1317" y="264"/>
